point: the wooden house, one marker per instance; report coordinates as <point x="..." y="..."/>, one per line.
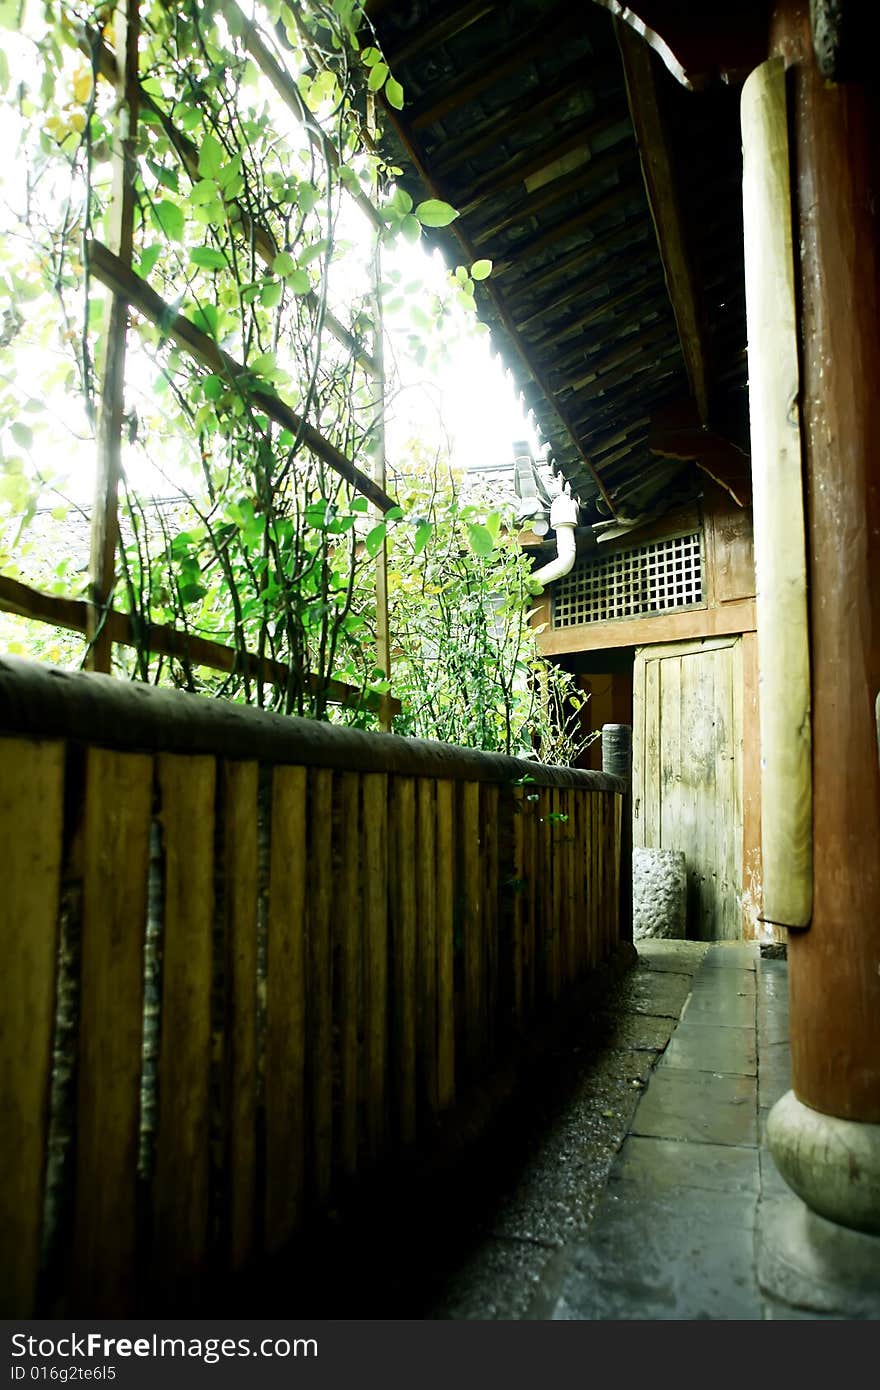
<point x="680" y="202"/>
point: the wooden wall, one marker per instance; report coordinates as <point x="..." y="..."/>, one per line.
<point x="728" y="610"/>
<point x="247" y="958"/>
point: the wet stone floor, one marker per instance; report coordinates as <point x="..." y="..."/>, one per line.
<point x="625" y="1181"/>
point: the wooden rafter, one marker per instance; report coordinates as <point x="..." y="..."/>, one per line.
<point x="427" y="35"/>
<point x="482" y="75"/>
<point x="531" y="203"/>
<point x="510" y="119"/>
<point x="576" y="136"/>
<point x="660" y="184"/>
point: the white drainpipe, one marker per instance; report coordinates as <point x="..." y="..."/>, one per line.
<point x="563" y="520"/>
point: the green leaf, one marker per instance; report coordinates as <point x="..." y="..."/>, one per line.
<point x="480" y="539"/>
<point x="263" y="365"/>
<point x="378" y="74"/>
<point x="212" y="387"/>
<point x="434" y="213"/>
<point x="481" y="270"/>
<point x="191" y="593"/>
<point x="298" y="282"/>
<point x="206" y="318"/>
<point x="271" y="293"/>
<point x="394" y="94"/>
<point x="170" y="219"/>
<point x="394" y="514"/>
<point x="283" y="263"/>
<point x="370" y="57"/>
<point x="22" y="434"/>
<point x="360" y="504"/>
<point x="423" y="535"/>
<point x="208" y="257"/>
<point x="211" y="156"/>
<point x="375" y="539"/>
<point x="411" y="228"/>
<point x="149" y="257"/>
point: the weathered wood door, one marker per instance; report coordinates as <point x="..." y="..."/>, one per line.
<point x="687" y="772"/>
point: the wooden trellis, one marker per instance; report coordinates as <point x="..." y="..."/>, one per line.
<point x="111" y="263"/>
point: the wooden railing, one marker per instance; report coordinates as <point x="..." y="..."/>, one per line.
<point x="247" y="957"/>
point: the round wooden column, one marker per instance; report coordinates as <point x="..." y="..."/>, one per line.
<point x="834" y="966"/>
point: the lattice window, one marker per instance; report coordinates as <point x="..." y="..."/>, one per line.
<point x="633" y="583"/>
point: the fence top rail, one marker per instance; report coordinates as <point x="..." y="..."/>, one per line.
<point x="41" y="702"/>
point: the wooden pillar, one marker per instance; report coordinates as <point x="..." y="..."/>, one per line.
<point x="826" y="1136"/>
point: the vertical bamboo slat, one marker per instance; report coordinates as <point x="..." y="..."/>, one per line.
<point x="320" y="976"/>
<point x="240" y="910"/>
<point x="348" y="917"/>
<point x="530" y="944"/>
<point x="31" y="831"/>
<point x="445" y="944"/>
<point x="427" y="944"/>
<point x="181" y="1183"/>
<point x="286" y="1009"/>
<point x="118" y="803"/>
<point x="374" y="846"/>
<point x="570" y="924"/>
<point x="402" y="902"/>
<point x="554" y="870"/>
<point x="489" y="803"/>
<point x="471" y="885"/>
<point x="519" y="908"/>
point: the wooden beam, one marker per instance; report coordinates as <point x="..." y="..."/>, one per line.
<point x="660" y="185"/>
<point x="72" y="615"/>
<point x="123" y="282"/>
<point x="676" y="432"/>
<point x="688" y="624"/>
<point x="780" y="544"/>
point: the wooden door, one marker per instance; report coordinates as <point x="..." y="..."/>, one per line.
<point x="687" y="772"/>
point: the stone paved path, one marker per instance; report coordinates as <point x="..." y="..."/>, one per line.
<point x="678" y="1232"/>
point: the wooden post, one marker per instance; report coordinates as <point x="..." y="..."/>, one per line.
<point x="617" y="760"/>
<point x="826" y="1134"/>
<point x="780" y="563"/>
<point x="105" y="518"/>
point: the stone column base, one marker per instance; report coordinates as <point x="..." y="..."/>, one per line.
<point x="816" y="1265"/>
<point x="832" y="1164"/>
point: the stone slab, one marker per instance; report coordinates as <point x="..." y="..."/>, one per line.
<point x="687" y="1256"/>
<point x="704" y="1047"/>
<point x="774" y="1075"/>
<point x="722" y="1009"/>
<point x="658" y="1164"/>
<point x="660" y="993"/>
<point x="700" y="1106"/>
<point x="740" y="955"/>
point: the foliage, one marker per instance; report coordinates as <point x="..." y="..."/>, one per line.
<point x="253" y="218"/>
<point x="466" y="665"/>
